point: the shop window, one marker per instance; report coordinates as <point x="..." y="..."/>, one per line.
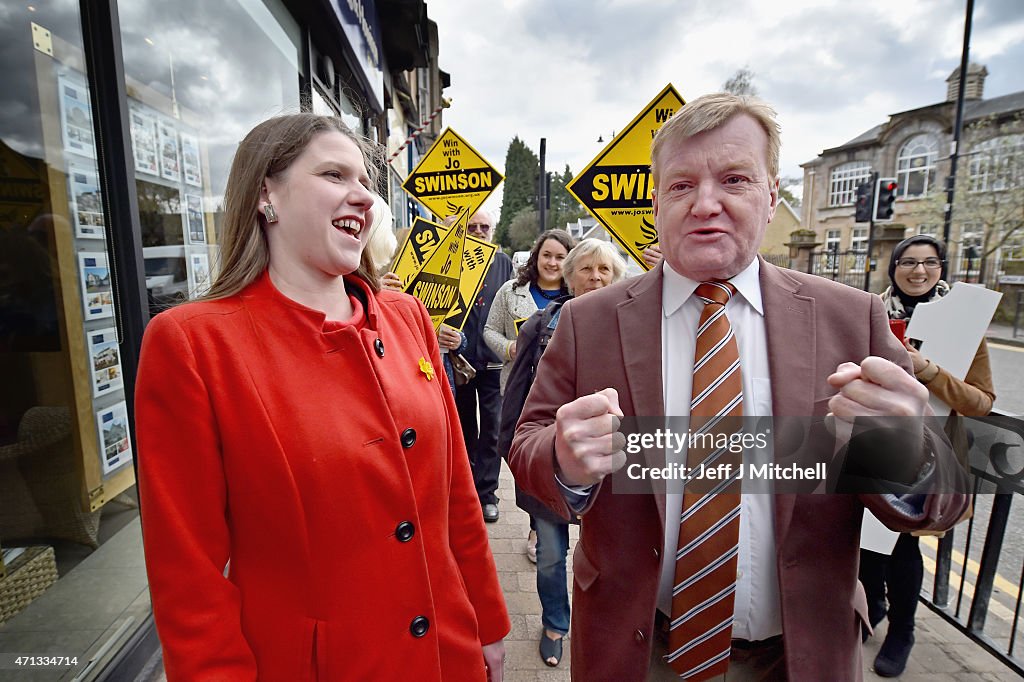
<point x="196" y="82"/>
<point x="192" y="97"/>
<point x="844" y="180"/>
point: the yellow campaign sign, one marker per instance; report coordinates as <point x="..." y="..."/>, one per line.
<point x="616" y="186"/>
<point x="437" y="282"/>
<point x="452" y="178"/>
<point x="419" y="243"/>
<point x="476" y="261"/>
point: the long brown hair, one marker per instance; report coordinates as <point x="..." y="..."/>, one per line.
<point x="269" y="149"/>
<point x="529" y="273"/>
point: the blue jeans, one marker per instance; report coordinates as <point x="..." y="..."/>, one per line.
<point x="552" y="546"/>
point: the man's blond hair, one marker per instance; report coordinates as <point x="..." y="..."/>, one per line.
<point x="711" y="111"/>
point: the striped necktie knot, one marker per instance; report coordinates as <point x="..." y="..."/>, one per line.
<point x="715" y="292"/>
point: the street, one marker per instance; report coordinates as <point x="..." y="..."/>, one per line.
<point x="1008" y="375"/>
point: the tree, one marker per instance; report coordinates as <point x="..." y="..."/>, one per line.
<point x="564" y="207"/>
<point x="522" y="167"/>
<point x="523" y="229"/>
<point x="741" y="83"/>
<point x="786" y="193"/>
<point x="989" y="199"/>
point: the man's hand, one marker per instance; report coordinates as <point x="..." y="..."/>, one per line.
<point x="587" y="445"/>
<point x="879" y="449"/>
<point x="876" y="388"/>
<point x="448" y="337"/>
<point x="652" y="256"/>
<point x="494" y="660"/>
<point x="512" y="350"/>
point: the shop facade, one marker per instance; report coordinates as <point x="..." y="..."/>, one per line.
<point x="118" y="123"/>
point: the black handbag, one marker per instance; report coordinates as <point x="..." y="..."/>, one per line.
<point x="463" y="371"/>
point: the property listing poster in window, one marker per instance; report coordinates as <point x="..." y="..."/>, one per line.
<point x="190" y="162"/>
<point x="86" y="201"/>
<point x="170" y="167"/>
<point x="97" y="296"/>
<point x="194" y="218"/>
<point x="75" y="116"/>
<point x="198" y="274"/>
<point x="144" y="144"/>
<point x="116" y="445"/>
<point x="105" y="362"/>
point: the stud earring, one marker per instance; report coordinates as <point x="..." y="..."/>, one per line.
<point x="270" y="213"/>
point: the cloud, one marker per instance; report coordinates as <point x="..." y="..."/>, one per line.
<point x="573" y="70"/>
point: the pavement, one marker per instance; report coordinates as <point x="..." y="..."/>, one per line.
<point x="941" y="654"/>
<point x="999" y="332"/>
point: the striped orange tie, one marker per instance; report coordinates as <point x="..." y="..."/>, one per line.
<point x="705" y="578"/>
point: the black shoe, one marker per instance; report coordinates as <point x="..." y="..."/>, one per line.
<point x="892" y="657"/>
<point x="550" y="650"/>
<point x="490" y="512"/>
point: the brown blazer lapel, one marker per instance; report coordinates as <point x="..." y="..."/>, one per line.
<point x="639" y="318"/>
<point x="789" y="327"/>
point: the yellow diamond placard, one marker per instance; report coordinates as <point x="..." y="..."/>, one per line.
<point x="419" y="243"/>
<point x="452" y="178"/>
<point x="616" y="186"/>
<point x="476" y="261"/>
<point x="437" y="282"/>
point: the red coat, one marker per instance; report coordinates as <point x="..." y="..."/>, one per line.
<point x="332" y="473"/>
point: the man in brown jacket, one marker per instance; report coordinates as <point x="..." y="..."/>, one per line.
<point x="807" y="347"/>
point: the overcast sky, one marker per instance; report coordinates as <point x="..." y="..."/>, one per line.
<point x="573" y="70"/>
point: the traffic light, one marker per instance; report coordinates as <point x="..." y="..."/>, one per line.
<point x="862" y="213"/>
<point x="884" y="198"/>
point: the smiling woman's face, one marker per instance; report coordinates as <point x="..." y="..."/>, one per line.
<point x="919" y="280"/>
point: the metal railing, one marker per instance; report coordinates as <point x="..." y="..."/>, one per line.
<point x="997" y="465"/>
<point x="846" y="267"/>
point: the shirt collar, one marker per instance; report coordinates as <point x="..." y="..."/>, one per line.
<point x="677" y="289"/>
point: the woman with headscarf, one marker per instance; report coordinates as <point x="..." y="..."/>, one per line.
<point x="917" y="273"/>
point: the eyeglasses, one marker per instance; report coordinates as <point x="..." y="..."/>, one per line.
<point x="479" y="227"/>
<point x="911" y="263"/>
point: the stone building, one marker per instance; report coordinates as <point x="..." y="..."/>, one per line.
<point x="913" y="147"/>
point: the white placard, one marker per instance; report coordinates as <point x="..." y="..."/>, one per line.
<point x="951" y="329"/>
<point x="875" y="537"/>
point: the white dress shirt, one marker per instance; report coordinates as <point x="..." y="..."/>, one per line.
<point x="757" y="612"/>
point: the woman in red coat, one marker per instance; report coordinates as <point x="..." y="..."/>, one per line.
<point x="294" y="428"/>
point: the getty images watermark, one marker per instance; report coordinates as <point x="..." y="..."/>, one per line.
<point x="712" y="469"/>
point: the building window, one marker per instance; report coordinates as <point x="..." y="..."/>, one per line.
<point x="995" y="164"/>
<point x="844" y="181"/>
<point x="832" y="246"/>
<point x="930" y="230"/>
<point x="915" y="165"/>
<point x="859" y="244"/>
<point x="1013" y="248"/>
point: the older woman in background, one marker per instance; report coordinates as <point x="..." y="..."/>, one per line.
<point x="590" y="265"/>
